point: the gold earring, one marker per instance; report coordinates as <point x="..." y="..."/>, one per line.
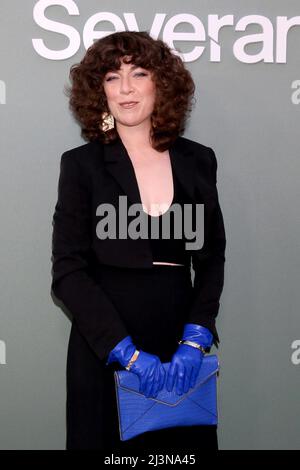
<point x="107" y="122"/>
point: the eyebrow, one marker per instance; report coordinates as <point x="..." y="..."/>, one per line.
<point x="131" y="68"/>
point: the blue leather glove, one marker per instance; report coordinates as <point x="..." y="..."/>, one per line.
<point x="147" y="366"/>
<point x="187" y="360"/>
<point x="122" y="352"/>
<point x="197" y="333"/>
<point x="151" y="373"/>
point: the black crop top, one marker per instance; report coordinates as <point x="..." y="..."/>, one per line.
<point x="171" y="250"/>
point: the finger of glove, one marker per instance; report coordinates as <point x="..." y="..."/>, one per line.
<point x="143" y="381"/>
<point x="187" y="379"/>
<point x="180" y="380"/>
<point x="149" y="383"/>
<point x="155" y="383"/>
<point x="158" y="381"/>
<point x="149" y="389"/>
<point x="162" y="377"/>
<point x="171" y="377"/>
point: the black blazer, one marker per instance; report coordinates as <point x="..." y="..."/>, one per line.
<point x="96" y="173"/>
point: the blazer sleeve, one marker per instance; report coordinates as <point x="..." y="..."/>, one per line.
<point x="208" y="264"/>
<point x="97" y="318"/>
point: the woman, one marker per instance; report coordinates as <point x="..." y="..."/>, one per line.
<point x="131" y="297"/>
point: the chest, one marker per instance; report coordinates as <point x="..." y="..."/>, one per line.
<point x="155" y="182"/>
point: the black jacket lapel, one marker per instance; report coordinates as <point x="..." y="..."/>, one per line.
<point x="118" y="163"/>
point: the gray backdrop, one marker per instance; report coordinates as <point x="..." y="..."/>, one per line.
<point x="248" y="110"/>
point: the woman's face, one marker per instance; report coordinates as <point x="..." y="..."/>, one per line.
<point x="133" y="85"/>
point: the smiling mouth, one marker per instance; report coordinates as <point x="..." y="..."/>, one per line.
<point x="129" y="105"/>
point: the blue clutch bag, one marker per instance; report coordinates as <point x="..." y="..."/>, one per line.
<point x="138" y="414"/>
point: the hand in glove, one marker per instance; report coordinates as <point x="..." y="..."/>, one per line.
<point x="147" y="366"/>
<point x="184" y="367"/>
<point x="151" y="373"/>
<point x="198" y="334"/>
<point x="187" y="360"/>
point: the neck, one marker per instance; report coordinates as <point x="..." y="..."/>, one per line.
<point x="135" y="137"/>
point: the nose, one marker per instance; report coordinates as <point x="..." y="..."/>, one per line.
<point x="125" y="85"/>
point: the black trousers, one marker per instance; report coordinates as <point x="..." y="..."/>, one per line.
<point x="153" y="303"/>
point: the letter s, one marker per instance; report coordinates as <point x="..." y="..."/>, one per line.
<point x="49" y="25"/>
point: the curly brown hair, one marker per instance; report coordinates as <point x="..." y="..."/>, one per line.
<point x="174" y="85"/>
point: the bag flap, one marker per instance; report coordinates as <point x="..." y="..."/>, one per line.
<point x="129" y="381"/>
